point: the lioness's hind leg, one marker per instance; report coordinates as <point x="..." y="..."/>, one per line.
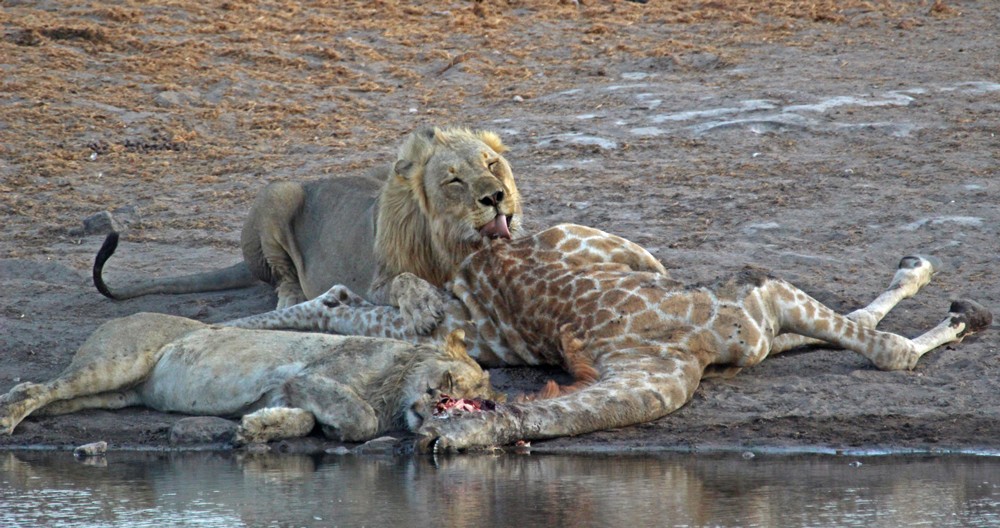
<point x="913" y="273"/>
<point x="272" y="423"/>
<point x="105" y="400"/>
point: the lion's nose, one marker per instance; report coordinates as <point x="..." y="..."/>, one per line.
<point x="492" y="200"/>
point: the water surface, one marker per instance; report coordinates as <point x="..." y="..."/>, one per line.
<point x="232" y="490"/>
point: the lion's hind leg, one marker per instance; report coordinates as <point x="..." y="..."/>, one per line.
<point x="913" y="273"/>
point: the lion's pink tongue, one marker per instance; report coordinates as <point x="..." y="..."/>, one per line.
<point x="497" y="228"/>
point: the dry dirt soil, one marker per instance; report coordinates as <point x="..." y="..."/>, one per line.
<point x="820" y="139"/>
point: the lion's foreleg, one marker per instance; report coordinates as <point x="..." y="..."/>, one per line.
<point x="420" y="303"/>
<point x="342" y="412"/>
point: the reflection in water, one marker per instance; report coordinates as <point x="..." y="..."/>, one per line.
<point x="229" y="489"/>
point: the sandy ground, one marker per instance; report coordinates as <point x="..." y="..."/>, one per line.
<point x="821" y="140"/>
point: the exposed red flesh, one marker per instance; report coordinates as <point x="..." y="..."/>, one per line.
<point x="447" y="403"/>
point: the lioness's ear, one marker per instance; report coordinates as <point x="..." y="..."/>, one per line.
<point x="492" y="140"/>
<point x="455" y="344"/>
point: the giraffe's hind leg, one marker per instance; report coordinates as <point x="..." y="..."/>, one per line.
<point x="796" y="312"/>
<point x="914" y="272"/>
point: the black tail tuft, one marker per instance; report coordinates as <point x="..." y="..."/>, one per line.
<point x="107" y="249"/>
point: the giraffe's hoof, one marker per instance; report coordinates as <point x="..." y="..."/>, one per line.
<point x="975" y="316"/>
<point x="915" y="261"/>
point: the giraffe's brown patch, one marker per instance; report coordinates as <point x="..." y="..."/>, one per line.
<point x="569" y="245"/>
<point x="632" y="304"/>
<point x="613" y="297"/>
<point x="602" y="316"/>
<point x="702" y="308"/>
<point x="549" y="238"/>
<point x="585" y="285"/>
<point x="701" y="340"/>
<point x="676" y="305"/>
<point x="810" y="311"/>
<point x="644" y="322"/>
<point x="753" y="308"/>
<point x="782" y="294"/>
<point x="821" y="325"/>
<point x="604" y="245"/>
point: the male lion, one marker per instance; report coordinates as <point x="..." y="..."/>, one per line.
<point x="448" y="191"/>
<point x="282" y="383"/>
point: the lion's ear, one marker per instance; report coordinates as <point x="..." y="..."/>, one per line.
<point x="492" y="140"/>
<point x="403" y="168"/>
<point x="455" y="344"/>
<point x="415" y="151"/>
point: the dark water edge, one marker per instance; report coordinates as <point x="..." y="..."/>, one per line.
<point x="144" y="488"/>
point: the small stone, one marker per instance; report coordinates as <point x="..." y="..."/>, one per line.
<point x="100" y="223"/>
<point x="92" y="449"/>
<point x="383" y="445"/>
<point x="202" y="430"/>
<point x="518" y="99"/>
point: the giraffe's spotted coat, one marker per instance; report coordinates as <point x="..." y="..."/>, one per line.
<point x="637" y="342"/>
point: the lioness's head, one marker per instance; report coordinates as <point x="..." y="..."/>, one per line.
<point x="448" y="370"/>
<point x="451" y="191"/>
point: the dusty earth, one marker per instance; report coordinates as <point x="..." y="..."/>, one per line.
<point x="820" y="139"/>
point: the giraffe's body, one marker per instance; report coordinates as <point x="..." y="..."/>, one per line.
<point x="637" y="341"/>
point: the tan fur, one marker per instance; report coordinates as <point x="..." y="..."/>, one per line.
<point x="281" y="383"/>
<point x="363" y="232"/>
<point x="637" y="341"/>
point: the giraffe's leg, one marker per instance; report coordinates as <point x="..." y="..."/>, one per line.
<point x="326" y="313"/>
<point x="637" y="386"/>
<point x="797" y="312"/>
<point x="913" y="273"/>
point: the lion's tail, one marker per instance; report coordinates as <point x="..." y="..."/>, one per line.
<point x="235" y="276"/>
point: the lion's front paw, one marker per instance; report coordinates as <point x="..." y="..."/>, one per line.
<point x="422" y="309"/>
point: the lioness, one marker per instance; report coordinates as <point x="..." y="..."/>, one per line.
<point x="282" y="383"/>
<point x="448" y="191"/>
